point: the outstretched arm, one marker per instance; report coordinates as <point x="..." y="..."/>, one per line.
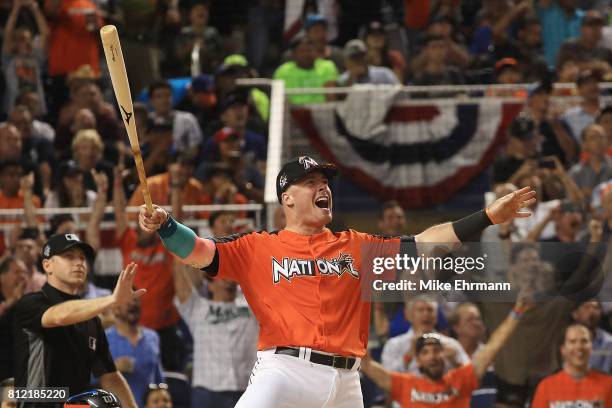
<point x="76" y="311"/>
<point x="485" y="357"/>
<point x="376" y="373"/>
<point x="9" y="29"/>
<point x="178" y="239"/>
<point x="502" y="210"/>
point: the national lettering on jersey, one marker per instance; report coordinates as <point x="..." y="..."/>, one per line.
<point x="433" y="398"/>
<point x="577" y="404"/>
<point x="419" y="155"/>
<point x="289" y="268"/>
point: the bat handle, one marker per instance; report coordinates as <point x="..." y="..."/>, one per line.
<point x="143" y="182"/>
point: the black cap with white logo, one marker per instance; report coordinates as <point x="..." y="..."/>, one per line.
<point x="426" y="339"/>
<point x="62" y="242"/>
<point x="298" y="168"/>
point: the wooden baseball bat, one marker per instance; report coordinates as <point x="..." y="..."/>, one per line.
<point x="121" y="86"/>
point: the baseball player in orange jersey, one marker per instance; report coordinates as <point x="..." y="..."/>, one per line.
<point x="303" y="285"/>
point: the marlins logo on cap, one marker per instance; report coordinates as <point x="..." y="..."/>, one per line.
<point x="307" y="162"/>
<point x="298" y="168"/>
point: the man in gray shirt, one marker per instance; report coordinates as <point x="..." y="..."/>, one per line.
<point x="359" y="72"/>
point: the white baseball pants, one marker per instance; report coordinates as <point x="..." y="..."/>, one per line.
<point x="279" y="381"/>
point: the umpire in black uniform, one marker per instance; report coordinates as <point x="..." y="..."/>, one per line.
<point x="59" y="340"/>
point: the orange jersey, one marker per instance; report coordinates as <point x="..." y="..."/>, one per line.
<point x="155" y="275"/>
<point x="71" y="44"/>
<point x="305" y="290"/>
<point x="563" y="391"/>
<point x="454" y="390"/>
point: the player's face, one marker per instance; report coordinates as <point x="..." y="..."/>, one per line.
<point x="577" y="347"/>
<point x="431" y="361"/>
<point x="68" y="269"/>
<point x="311" y="200"/>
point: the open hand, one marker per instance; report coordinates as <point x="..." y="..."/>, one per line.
<point x="124" y="292"/>
<point x="509" y="206"/>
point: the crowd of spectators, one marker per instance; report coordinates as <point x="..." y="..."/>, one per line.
<point x="204" y="141"/>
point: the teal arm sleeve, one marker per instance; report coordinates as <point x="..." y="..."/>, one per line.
<point x="177" y="238"/>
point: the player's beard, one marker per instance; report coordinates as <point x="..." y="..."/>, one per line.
<point x="434" y="375"/>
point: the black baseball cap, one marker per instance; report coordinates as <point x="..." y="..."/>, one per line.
<point x="298" y="168"/>
<point x="62" y="242"/>
<point x="427" y="338"/>
<point x="95" y="399"/>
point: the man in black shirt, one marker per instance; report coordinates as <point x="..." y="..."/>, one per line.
<point x="13" y="282"/>
<point x="59" y="340"/>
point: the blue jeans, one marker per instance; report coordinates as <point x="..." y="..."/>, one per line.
<point x="204" y="398"/>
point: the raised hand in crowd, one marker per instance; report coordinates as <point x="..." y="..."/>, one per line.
<point x="595" y="230"/>
<point x="26" y="184"/>
<point x="92" y="233"/>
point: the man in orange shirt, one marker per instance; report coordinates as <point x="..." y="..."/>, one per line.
<point x="576" y="385"/>
<point x="74" y="35"/>
<point x="155" y="273"/>
<point x="303" y="284"/>
<point x="12" y="195"/>
<point x="453" y="389"/>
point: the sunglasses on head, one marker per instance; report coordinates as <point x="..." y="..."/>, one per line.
<point x="160" y="386"/>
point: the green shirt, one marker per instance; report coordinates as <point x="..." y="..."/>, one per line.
<point x="322" y="72"/>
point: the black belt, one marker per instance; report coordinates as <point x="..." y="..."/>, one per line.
<point x="318" y="358"/>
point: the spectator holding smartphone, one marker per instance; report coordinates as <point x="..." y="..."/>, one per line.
<point x="22" y="57"/>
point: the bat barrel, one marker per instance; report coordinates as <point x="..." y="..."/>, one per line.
<point x="118" y="74"/>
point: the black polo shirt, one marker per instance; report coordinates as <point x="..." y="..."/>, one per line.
<point x="60" y="356"/>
